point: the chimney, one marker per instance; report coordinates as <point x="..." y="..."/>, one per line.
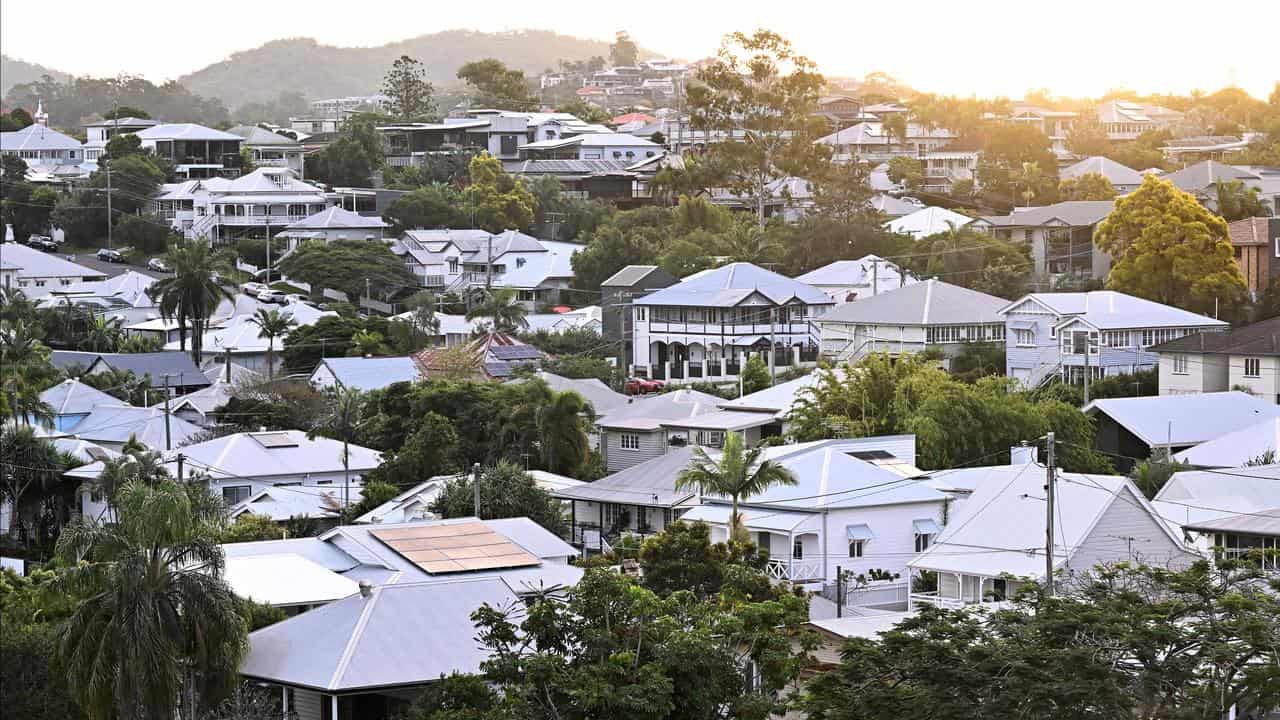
<point x="1024" y="454"/>
<point x="365" y="589"/>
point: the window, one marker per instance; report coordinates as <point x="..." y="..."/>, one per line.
<point x="640" y="314"/>
<point x="630" y="441"/>
<point x="1162" y="335"/>
<point x="855" y="548"/>
<point x="1179" y="364"/>
<point x="1115" y="338"/>
<point x="1252" y="367"/>
<point x="612" y="514"/>
<point x="797" y="549"/>
<point x="39" y="283"/>
<point x="923" y="540"/>
<point x="1024" y="338"/>
<point x="235" y="494"/>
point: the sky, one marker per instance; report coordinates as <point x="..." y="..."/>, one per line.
<point x="981" y="47"/>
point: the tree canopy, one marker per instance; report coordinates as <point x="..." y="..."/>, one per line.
<point x="497" y="86"/>
<point x="410" y="92"/>
<point x="346" y="265"/>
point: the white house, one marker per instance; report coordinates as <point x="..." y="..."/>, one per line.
<point x="333" y="223"/>
<point x="1124" y="120"/>
<point x="871" y="142"/>
<point x="707" y="325"/>
<point x="848" y="280"/>
<point x="99" y="133"/>
<point x="1229" y="509"/>
<point x="123" y="297"/>
<point x="911" y="319"/>
<point x="1246" y="358"/>
<point x="111" y="426"/>
<point x="266" y="200"/>
<point x="460" y="260"/>
<point x="72" y="401"/>
<point x="42" y="148"/>
<point x="502" y="133"/>
<point x="1123" y="178"/>
<point x="593" y="146"/>
<point x="928" y="221"/>
<point x="270" y="149"/>
<point x="997" y="540"/>
<point x="240" y="337"/>
<point x="1048" y="334"/>
<point x="1060" y="236"/>
<point x="37" y="274"/>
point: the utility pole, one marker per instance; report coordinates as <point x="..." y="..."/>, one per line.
<point x="227" y="363"/>
<point x="181" y="458"/>
<point x="1087" y="347"/>
<point x="475" y="486"/>
<point x="875" y="278"/>
<point x="773" y="350"/>
<point x="1050" y="486"/>
<point x="168" y="436"/>
<point x="488" y="268"/>
<point x="115" y="119"/>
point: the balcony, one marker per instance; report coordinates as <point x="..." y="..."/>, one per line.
<point x="258" y="220"/>
<point x="794" y="570"/>
<point x="936" y="600"/>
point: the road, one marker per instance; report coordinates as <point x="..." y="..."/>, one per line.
<point x="88" y="259"/>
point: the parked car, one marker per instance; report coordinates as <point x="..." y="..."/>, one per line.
<point x="252" y="289"/>
<point x="263" y="276"/>
<point x="267" y="295"/>
<point x="158" y="265"/>
<point x="111" y="256"/>
<point x="292" y="298"/>
<point x="42" y="242"/>
<point x="641" y="386"/>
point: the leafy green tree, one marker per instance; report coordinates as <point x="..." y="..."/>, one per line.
<point x="682" y="558"/>
<point x="760" y="88"/>
<point x="497" y="86"/>
<point x="1168" y="248"/>
<point x="563" y="432"/>
<point x="146" y="234"/>
<point x="135" y="179"/>
<point x="250" y="527"/>
<point x="32" y="484"/>
<point x="624" y="50"/>
<point x="15" y="120"/>
<point x="341" y="421"/>
<point x="503" y="310"/>
<point x="123" y="145"/>
<point x="738" y="473"/>
<point x="1143" y="153"/>
<point x="30" y="687"/>
<point x="82" y="216"/>
<point x="427" y="452"/>
<point x="105" y="333"/>
<point x="410" y="92"/>
<point x="373" y="494"/>
<point x="367" y="343"/>
<point x="906" y="171"/>
<point x="272" y="324"/>
<point x="1009" y="153"/>
<point x="27" y="372"/>
<point x="755" y="375"/>
<point x="434" y="206"/>
<point x="190" y="295"/>
<point x="495" y="200"/>
<point x="329" y="336"/>
<point x="1090" y="186"/>
<point x="157" y="622"/>
<point x="25" y="206"/>
<point x="1088" y="139"/>
<point x="1237" y="201"/>
<point x="747" y="242"/>
<point x="584" y="111"/>
<point x="126" y="385"/>
<point x="506" y="491"/>
<point x="350" y="266"/>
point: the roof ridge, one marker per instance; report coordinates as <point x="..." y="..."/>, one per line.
<point x="349" y="651"/>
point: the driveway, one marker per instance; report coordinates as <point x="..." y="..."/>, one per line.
<point x="88" y="259"/>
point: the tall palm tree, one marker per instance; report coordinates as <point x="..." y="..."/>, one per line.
<point x="31" y="465"/>
<point x="747" y="242"/>
<point x="104" y="334"/>
<point x="135" y="464"/>
<point x="190" y="294"/>
<point x="26" y="370"/>
<point x="561" y="434"/>
<point x="157" y="619"/>
<point x="738" y="473"/>
<point x="271" y="325"/>
<point x="504" y="310"/>
<point x="346" y="407"/>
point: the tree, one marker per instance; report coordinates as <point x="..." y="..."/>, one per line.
<point x="15" y="120"/>
<point x="427" y="452"/>
<point x="737" y="473"/>
<point x="608" y="250"/>
<point x="421" y="320"/>
<point x="250" y="527"/>
<point x="373" y="494"/>
<point x="562" y="422"/>
<point x="145" y="234"/>
<point x="105" y="333"/>
<point x="506" y="491"/>
<point x="156" y="620"/>
<point x="1143" y="153"/>
<point x="406" y="84"/>
<point x="745" y="93"/>
<point x="755" y="375"/>
<point x="584" y="111"/>
<point x="842" y="192"/>
<point x="1089" y="186"/>
<point x="368" y="343"/>
<point x="272" y="324"/>
<point x="351" y="159"/>
<point x="125" y="111"/>
<point x="123" y="145"/>
<point x="906" y="171"/>
<point x="32" y="483"/>
<point x="497" y="86"/>
<point x="350" y="266"/>
<point x="345" y="412"/>
<point x="23" y="205"/>
<point x="434" y="206"/>
<point x="191" y="294"/>
<point x="1168" y="248"/>
<point x="623" y="51"/>
<point x="495" y="200"/>
<point x="27" y="372"/>
<point x="1237" y="201"/>
<point x="1017" y="164"/>
<point x="503" y="310"/>
<point x="682" y="558"/>
<point x="1088" y="139"/>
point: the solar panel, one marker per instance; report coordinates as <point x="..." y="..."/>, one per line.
<point x="275" y="440"/>
<point x="515" y="352"/>
<point x="455" y="547"/>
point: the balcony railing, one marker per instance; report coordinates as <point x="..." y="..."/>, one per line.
<point x="794" y="570"/>
<point x="936" y="600"/>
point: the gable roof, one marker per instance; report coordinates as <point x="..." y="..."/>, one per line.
<point x="335" y="217"/>
<point x="730" y="284"/>
<point x="1197" y="495"/>
<point x="1254" y="231"/>
<point x="257" y="577"/>
<point x="649" y="413"/>
<point x="1202" y="175"/>
<point x="117" y="423"/>
<point x="1073" y="213"/>
<point x="400" y="635"/>
<point x="630" y="275"/>
<point x="276" y="453"/>
<point x="1113" y="171"/>
<point x="371" y="373"/>
<point x="37" y="137"/>
<point x="178" y="365"/>
<point x="255" y="136"/>
<point x="1178" y="420"/>
<point x="1236" y="448"/>
<point x="185" y="131"/>
<point x="931" y="302"/>
<point x="1260" y="338"/>
<point x="72" y="397"/>
<point x="780" y="398"/>
<point x="602" y="397"/>
<point x="36" y="264"/>
<point x="1263" y="522"/>
<point x="1108" y="309"/>
<point x="279" y="503"/>
<point x="928" y="221"/>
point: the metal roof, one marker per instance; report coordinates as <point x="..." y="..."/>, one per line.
<point x="37" y="137"/>
<point x="1260" y="338"/>
<point x="1236" y="448"/>
<point x="629" y="275"/>
<point x="371" y="373"/>
<point x="1202" y="175"/>
<point x="928" y="221"/>
<point x="241" y="455"/>
<point x="1178" y="420"/>
<point x="649" y="413"/>
<point x="36" y="264"/>
<point x="177" y="365"/>
<point x="729" y="285"/>
<point x="257" y="577"/>
<point x="1193" y="496"/>
<point x="857" y="273"/>
<point x="1111" y="310"/>
<point x="1072" y="213"/>
<point x="1263" y="522"/>
<point x="72" y="397"/>
<point x="931" y="302"/>
<point x="652" y="483"/>
<point x="1113" y="171"/>
<point x="118" y="423"/>
<point x="185" y="131"/>
<point x="335" y="217"/>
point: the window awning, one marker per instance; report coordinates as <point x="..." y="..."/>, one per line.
<point x="861" y="531"/>
<point x="927" y="526"/>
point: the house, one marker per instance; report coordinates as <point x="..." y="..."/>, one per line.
<point x="465" y="260"/>
<point x="1245" y="358"/>
<point x="1124" y="120"/>
<point x="242" y="340"/>
<point x="1048" y="334"/>
<point x="1132" y="429"/>
<point x="1199" y="502"/>
<point x="493" y="356"/>
<point x="789" y="198"/>
<point x="99" y="133"/>
<point x="364" y="373"/>
<point x="198" y="407"/>
<point x="257" y="578"/>
<point x="910" y="319"/>
<point x="871" y="142"/>
<point x="997" y="541"/>
<point x="1186" y="150"/>
<point x="501" y="133"/>
<point x="37" y="274"/>
<point x="72" y="401"/>
<point x="634" y="432"/>
<point x="111" y="426"/>
<point x="889" y="205"/>
<point x="123" y="297"/>
<point x="270" y="149"/>
<point x="8" y="275"/>
<point x="928" y="221"/>
<point x="1055" y="124"/>
<point x="43" y="148"/>
<point x="1203" y="179"/>
<point x="848" y="280"/>
<point x="1124" y="179"/>
<point x="943" y="168"/>
<point x="850" y="510"/>
<point x="617" y="293"/>
<point x="592" y="146"/>
<point x="603" y="399"/>
<point x="282" y="504"/>
<point x="172" y="369"/>
<point x="411" y="505"/>
<point x="1250" y="445"/>
<point x="641" y="498"/>
<point x="706" y="325"/>
<point x="255" y="205"/>
<point x="196" y="151"/>
<point x="623" y="182"/>
<point x="1060" y="236"/>
<point x="1256" y="244"/>
<point x="332" y="223"/>
<point x="1238" y="535"/>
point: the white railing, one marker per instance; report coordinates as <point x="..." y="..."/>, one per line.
<point x="936" y="600"/>
<point x="794" y="570"/>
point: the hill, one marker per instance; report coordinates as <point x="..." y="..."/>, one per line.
<point x="16" y="72"/>
<point x="321" y="71"/>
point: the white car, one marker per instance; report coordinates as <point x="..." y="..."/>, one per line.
<point x="292" y="298"/>
<point x="267" y="295"/>
<point x="252" y="289"/>
<point x="157" y="265"/>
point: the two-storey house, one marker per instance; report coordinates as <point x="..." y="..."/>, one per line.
<point x="1060" y="236"/>
<point x="616" y="295"/>
<point x="99" y="133"/>
<point x="196" y="151"/>
<point x="259" y="205"/>
<point x="501" y="133"/>
<point x="270" y="149"/>
<point x="1055" y="124"/>
<point x="593" y="146"/>
<point x="634" y="432"/>
<point x="1101" y="333"/>
<point x="872" y="142"/>
<point x="1124" y="120"/>
<point x="43" y="149"/>
<point x="1256" y="245"/>
<point x="1246" y="358"/>
<point x="1123" y="178"/>
<point x="706" y="325"/>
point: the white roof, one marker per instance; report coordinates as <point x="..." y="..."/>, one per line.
<point x="204" y="400"/>
<point x="1111" y="310"/>
<point x="928" y="221"/>
<point x="861" y="626"/>
<point x="1236" y="448"/>
<point x="36" y="264"/>
<point x="603" y="399"/>
<point x="778" y="399"/>
<point x="276" y="453"/>
<point x="858" y="273"/>
<point x="245" y="338"/>
<point x="651" y="412"/>
<point x="931" y="302"/>
<point x="1199" y="495"/>
<point x="731" y="284"/>
<point x="409" y="505"/>
<point x="185" y="131"/>
<point x="117" y="423"/>
<point x="285" y="580"/>
<point x="281" y="502"/>
<point x="370" y="373"/>
<point x="753" y="519"/>
<point x="1113" y="171"/>
<point x="37" y="137"/>
<point x="72" y="397"/>
<point x="334" y="218"/>
<point x="1179" y="420"/>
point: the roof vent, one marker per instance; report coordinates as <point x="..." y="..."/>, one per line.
<point x="365" y="589"/>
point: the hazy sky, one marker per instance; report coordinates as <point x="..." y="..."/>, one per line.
<point x="987" y="47"/>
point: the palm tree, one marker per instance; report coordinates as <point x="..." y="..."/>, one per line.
<point x="271" y="325"/>
<point x="25" y="361"/>
<point x="346" y="406"/>
<point x="190" y="293"/>
<point x="156" y="617"/>
<point x="31" y="463"/>
<point x="15" y="305"/>
<point x="747" y="242"/>
<point x="738" y="473"/>
<point x="135" y="464"/>
<point x="504" y="309"/>
<point x="561" y="436"/>
<point x="104" y="334"/>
